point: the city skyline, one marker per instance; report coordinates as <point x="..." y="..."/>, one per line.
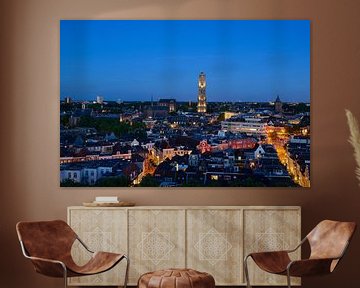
<point x="136" y="60"/>
<point x="194" y="101"/>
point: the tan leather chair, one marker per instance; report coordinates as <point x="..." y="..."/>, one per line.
<point x="328" y="242"/>
<point x="48" y="245"/>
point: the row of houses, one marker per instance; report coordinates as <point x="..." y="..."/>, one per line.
<point x="298" y="161"/>
<point x="229" y="165"/>
<point x="90" y="172"/>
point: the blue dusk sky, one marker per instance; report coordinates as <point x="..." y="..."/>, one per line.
<point x="134" y="60"/>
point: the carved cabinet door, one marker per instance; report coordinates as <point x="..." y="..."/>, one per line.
<point x="214" y="244"/>
<point x="271" y="230"/>
<point x="101" y="230"/>
<point x="156" y="240"/>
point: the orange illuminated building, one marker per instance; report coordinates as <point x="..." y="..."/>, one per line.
<point x="247" y="143"/>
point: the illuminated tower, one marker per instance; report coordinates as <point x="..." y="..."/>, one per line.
<point x="201" y="107"/>
<point x="99" y="99"/>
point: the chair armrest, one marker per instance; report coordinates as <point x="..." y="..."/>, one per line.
<point x="271" y="261"/>
<point x="280" y="251"/>
<point x="267" y="254"/>
<point x="49" y="267"/>
<point x="45" y="260"/>
<point x="298" y="246"/>
<point x="309" y="267"/>
<point x="83" y="244"/>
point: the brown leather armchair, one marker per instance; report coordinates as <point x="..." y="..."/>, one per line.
<point x="48" y="245"/>
<point x="328" y="242"/>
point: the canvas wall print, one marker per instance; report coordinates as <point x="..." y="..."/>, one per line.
<point x="185" y="103"/>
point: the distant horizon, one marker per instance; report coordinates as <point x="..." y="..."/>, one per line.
<point x="185" y="101"/>
<point x="243" y="60"/>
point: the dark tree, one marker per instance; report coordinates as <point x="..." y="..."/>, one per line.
<point x="120" y="181"/>
<point x="71" y="183"/>
<point x="149" y="181"/>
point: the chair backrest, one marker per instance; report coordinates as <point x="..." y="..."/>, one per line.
<point x="329" y="239"/>
<point x="46" y="239"/>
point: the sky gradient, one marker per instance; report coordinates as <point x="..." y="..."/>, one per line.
<point x="134" y="60"/>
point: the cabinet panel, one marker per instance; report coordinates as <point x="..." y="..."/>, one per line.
<point x="156" y="240"/>
<point x="101" y="230"/>
<point x="210" y="239"/>
<point x="269" y="230"/>
<point x="214" y="244"/>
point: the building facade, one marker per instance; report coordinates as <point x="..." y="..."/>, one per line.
<point x="250" y="126"/>
<point x="169" y="103"/>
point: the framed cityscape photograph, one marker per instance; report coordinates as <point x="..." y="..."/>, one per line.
<point x="185" y="103"/>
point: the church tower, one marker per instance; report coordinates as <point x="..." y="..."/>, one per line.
<point x="201" y="107"/>
<point x="278" y="105"/>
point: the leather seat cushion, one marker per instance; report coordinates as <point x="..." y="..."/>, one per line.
<point x="176" y="278"/>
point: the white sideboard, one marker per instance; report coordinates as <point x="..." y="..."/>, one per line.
<point x="212" y="239"/>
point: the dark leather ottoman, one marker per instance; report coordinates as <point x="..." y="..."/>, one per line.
<point x="176" y="278"/>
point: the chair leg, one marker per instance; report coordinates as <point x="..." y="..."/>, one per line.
<point x="288" y="278"/>
<point x="65" y="276"/>
<point x="246" y="270"/>
<point x="126" y="271"/>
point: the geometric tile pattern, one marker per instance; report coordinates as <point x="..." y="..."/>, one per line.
<point x="98" y="240"/>
<point x="269" y="240"/>
<point x="214" y="243"/>
<point x="213" y="246"/>
<point x="156" y="240"/>
<point x="156" y="246"/>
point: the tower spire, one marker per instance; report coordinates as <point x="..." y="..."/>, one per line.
<point x="201" y="107"/>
